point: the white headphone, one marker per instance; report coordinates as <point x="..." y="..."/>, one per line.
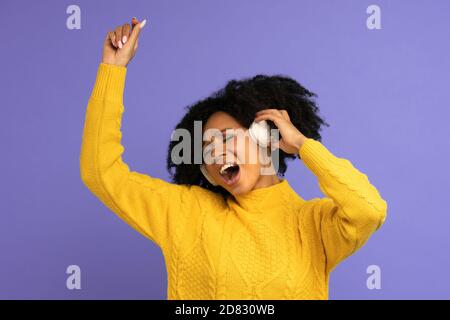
<point x="260" y="134"/>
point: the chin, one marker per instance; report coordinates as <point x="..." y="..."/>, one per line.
<point x="236" y="179"/>
<point x="241" y="187"/>
<point x="238" y="190"/>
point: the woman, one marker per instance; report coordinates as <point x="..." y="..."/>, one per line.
<point x="232" y="233"/>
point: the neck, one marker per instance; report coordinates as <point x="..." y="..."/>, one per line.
<point x="263" y="199"/>
<point x="266" y="181"/>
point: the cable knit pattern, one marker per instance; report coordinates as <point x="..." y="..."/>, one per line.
<point x="267" y="244"/>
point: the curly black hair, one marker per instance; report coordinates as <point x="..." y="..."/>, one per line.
<point x="241" y="99"/>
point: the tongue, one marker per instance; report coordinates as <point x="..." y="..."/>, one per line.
<point x="230" y="174"/>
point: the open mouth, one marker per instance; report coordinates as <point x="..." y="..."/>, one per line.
<point x="230" y="173"/>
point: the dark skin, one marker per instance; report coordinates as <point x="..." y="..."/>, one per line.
<point x="119" y="48"/>
<point x="250" y="172"/>
<point x="121" y="44"/>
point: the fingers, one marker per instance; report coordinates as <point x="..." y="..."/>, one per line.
<point x="282" y="113"/>
<point x="285" y="114"/>
<point x="112" y="38"/>
<point x="126" y="28"/>
<point x="275" y="118"/>
<point x="269" y="114"/>
<point x="136" y="30"/>
<point x="274" y="115"/>
<point x="134" y="21"/>
<point x="126" y="33"/>
<point x="118" y="32"/>
<point x="122" y="34"/>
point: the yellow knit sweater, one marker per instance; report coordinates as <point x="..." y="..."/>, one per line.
<point x="267" y="244"/>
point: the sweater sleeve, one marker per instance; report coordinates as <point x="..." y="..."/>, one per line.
<point x="150" y="205"/>
<point x="352" y="209"/>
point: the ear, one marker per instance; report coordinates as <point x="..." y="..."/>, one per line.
<point x="206" y="175"/>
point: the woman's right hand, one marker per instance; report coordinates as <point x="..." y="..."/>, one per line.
<point x="121" y="44"/>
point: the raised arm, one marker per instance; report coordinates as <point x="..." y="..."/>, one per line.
<point x="352" y="209"/>
<point x="150" y="205"/>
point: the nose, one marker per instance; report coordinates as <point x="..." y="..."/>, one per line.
<point x="219" y="148"/>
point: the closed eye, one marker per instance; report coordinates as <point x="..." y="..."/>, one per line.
<point x="208" y="148"/>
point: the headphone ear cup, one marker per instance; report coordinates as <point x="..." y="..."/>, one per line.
<point x="207" y="176"/>
<point x="260" y="133"/>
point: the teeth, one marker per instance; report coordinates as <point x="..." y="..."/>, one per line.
<point x="226" y="166"/>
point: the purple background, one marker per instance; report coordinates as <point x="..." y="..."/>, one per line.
<point x="384" y="92"/>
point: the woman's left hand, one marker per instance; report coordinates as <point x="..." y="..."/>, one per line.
<point x="291" y="138"/>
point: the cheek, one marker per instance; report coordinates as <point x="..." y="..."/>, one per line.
<point x="248" y="152"/>
<point x="213" y="169"/>
<point x="250" y="168"/>
<point x="250" y="173"/>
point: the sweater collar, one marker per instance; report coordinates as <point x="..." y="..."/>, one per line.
<point x="263" y="198"/>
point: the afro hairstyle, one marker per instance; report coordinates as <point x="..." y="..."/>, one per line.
<point x="241" y="99"/>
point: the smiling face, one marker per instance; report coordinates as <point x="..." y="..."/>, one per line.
<point x="238" y="161"/>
